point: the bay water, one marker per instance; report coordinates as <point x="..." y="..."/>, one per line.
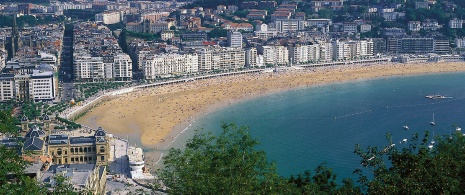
<point x="300" y="129"/>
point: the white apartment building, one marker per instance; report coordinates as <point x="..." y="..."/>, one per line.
<point x="460" y="42"/>
<point x="235" y="39"/>
<point x="366" y="47"/>
<point x="414" y="26"/>
<point x="455" y="23"/>
<point x="251" y="58"/>
<point x="42" y="85"/>
<point x="221" y="58"/>
<point x="88" y="68"/>
<point x="7" y="87"/>
<point x="326" y="51"/>
<point x="285" y="25"/>
<point x="350" y="27"/>
<point x="112" y="17"/>
<point x="341" y="50"/>
<point x="156" y="66"/>
<point x="261" y="31"/>
<point x="122" y="66"/>
<point x="346" y="50"/>
<point x="301" y="54"/>
<point x="275" y="55"/>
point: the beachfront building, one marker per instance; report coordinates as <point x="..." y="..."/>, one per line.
<point x="220" y="58"/>
<point x="274" y="55"/>
<point x="300" y="54"/>
<point x="165" y="65"/>
<point x="122" y="66"/>
<point x="80" y="150"/>
<point x="345" y="50"/>
<point x="88" y="68"/>
<point x="252" y="59"/>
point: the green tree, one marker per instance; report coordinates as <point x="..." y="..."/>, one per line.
<point x="12" y="165"/>
<point x="420" y="168"/>
<point x="217" y="32"/>
<point x="62" y="186"/>
<point x="227" y="164"/>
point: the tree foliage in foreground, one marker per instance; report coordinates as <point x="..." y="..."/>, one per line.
<point x="417" y="169"/>
<point x="12" y="165"/>
<point x="230" y="164"/>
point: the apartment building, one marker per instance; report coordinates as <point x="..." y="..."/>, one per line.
<point x="252" y="58"/>
<point x="97" y="55"/>
<point x="220" y="58"/>
<point x="235" y="39"/>
<point x="165" y="65"/>
<point x="274" y="55"/>
<point x="286" y="25"/>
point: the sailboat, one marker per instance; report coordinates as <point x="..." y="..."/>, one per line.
<point x="430" y="146"/>
<point x="432" y="122"/>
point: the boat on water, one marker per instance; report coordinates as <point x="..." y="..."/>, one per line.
<point x="432" y="140"/>
<point x="405" y="127"/>
<point x="432" y="122"/>
<point x="434" y="97"/>
<point x="458" y="129"/>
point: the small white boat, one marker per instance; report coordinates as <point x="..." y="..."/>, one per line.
<point x="430" y="146"/>
<point x="404" y="140"/>
<point x="432" y="140"/>
<point x="405" y="127"/>
<point x="432" y="122"/>
<point x="458" y="129"/>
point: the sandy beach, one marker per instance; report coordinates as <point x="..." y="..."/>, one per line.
<point x="152" y="115"/>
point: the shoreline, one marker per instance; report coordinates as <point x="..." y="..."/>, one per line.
<point x="173" y="100"/>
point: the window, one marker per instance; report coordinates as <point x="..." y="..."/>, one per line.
<point x="81" y="159"/>
<point x="102" y="149"/>
<point x="59" y="151"/>
<point x="72" y="150"/>
<point x="80" y="149"/>
<point x="102" y="158"/>
<point x="85" y="149"/>
<point x="90" y="158"/>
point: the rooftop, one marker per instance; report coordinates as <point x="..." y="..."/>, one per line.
<point x="135" y="154"/>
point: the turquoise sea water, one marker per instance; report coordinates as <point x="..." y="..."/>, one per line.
<point x="302" y="128"/>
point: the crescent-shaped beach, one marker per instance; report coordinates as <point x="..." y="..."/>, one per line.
<point x="154" y="115"/>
